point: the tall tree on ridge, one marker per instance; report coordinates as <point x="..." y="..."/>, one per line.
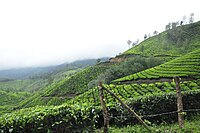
<point x="129" y="43"/>
<point x="191" y="19"/>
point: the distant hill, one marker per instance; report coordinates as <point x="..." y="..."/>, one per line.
<point x="42" y="83"/>
<point x="23" y="73"/>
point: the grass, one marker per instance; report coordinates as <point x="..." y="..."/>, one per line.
<point x="190" y="126"/>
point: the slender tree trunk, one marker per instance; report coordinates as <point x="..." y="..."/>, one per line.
<point x="104" y="109"/>
<point x="179" y="103"/>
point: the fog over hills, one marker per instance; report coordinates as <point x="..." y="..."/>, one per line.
<point x="43" y="33"/>
<point x="21" y="73"/>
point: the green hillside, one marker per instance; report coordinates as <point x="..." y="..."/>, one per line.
<point x="150" y="91"/>
<point x="84" y="110"/>
<point x="84" y="113"/>
<point x="10" y="99"/>
<point x="77" y="83"/>
<point x="15" y="91"/>
<point x="175" y="42"/>
<point x="59" y="92"/>
<point x="158" y="49"/>
<point x="187" y="66"/>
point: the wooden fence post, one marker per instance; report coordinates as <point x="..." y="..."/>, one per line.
<point x="104" y="109"/>
<point x="179" y="103"/>
<point x="129" y="109"/>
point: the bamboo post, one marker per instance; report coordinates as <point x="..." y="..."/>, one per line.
<point x="104" y="109"/>
<point x="129" y="109"/>
<point x="179" y="103"/>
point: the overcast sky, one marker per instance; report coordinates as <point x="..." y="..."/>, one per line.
<point x="46" y="32"/>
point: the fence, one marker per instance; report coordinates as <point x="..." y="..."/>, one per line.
<point x="179" y="111"/>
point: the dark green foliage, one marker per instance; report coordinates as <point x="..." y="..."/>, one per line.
<point x="128" y="67"/>
<point x="184" y="35"/>
<point x="42" y="119"/>
<point x="85" y="116"/>
<point x="185" y="66"/>
<point x="160" y="103"/>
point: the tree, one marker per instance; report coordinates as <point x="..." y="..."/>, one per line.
<point x="145" y="36"/>
<point x="174" y="25"/>
<point x="168" y="26"/>
<point x="155" y="32"/>
<point x="184" y="18"/>
<point x="177" y="23"/>
<point x="149" y="35"/>
<point x="129" y="43"/>
<point x="135" y="43"/>
<point x="181" y="23"/>
<point x="191" y="19"/>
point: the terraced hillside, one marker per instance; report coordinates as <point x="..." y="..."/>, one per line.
<point x="12" y="92"/>
<point x="9" y="100"/>
<point x="84" y="113"/>
<point x="134" y="90"/>
<point x="187" y="66"/>
<point x="69" y="87"/>
<point x="38" y="85"/>
<point x="76" y="83"/>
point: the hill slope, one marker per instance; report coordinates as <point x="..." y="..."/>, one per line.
<point x="23" y="73"/>
<point x="168" y="44"/>
<point x="174" y="42"/>
<point x="187" y="66"/>
<point x="69" y="87"/>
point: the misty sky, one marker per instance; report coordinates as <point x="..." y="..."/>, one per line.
<point x="48" y="32"/>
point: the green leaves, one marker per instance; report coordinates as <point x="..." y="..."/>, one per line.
<point x="84" y="110"/>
